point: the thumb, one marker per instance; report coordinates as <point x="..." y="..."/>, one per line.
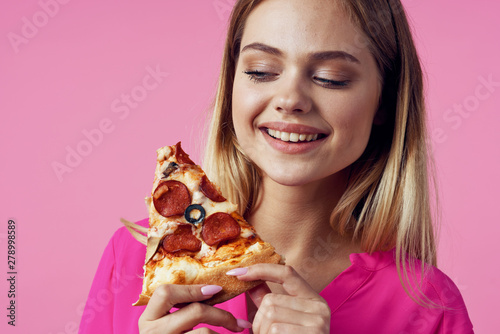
<point x="258" y="293"/>
<point x="168" y="295"/>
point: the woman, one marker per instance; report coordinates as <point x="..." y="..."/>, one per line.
<point x="319" y="135"/>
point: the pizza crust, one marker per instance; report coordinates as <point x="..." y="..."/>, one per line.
<point x="216" y="275"/>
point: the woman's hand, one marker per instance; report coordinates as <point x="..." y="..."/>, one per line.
<point x="157" y="318"/>
<point x="301" y="310"/>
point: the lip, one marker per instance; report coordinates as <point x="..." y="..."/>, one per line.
<point x="291" y="147"/>
<point x="292" y="128"/>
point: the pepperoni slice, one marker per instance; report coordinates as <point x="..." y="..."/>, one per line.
<point x="181" y="156"/>
<point x="171" y="198"/>
<point x="209" y="190"/>
<point x="219" y="227"/>
<point x="181" y="239"/>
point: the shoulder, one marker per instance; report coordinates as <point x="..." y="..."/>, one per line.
<point x="127" y="253"/>
<point x="445" y="290"/>
<point x="427" y="293"/>
<point x="428" y="279"/>
<point x="444" y="298"/>
<point x="116" y="286"/>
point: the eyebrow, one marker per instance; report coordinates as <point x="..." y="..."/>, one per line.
<point x="324" y="55"/>
<point x="262" y="47"/>
<point x="327" y="55"/>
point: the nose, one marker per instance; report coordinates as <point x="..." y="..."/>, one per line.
<point x="292" y="95"/>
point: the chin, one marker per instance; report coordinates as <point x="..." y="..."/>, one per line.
<point x="286" y="180"/>
<point x="292" y="177"/>
<point x="300" y="174"/>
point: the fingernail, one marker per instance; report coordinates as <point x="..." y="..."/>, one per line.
<point x="237" y="272"/>
<point x="243" y="323"/>
<point x="209" y="290"/>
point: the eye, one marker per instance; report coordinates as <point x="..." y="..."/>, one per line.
<point x="331" y="84"/>
<point x="259" y="76"/>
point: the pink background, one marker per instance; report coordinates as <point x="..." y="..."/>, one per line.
<point x="68" y="74"/>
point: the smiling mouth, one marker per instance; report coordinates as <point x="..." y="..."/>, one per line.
<point x="294" y="137"/>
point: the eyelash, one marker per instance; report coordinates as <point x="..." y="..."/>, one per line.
<point x="258" y="77"/>
<point x="334" y="84"/>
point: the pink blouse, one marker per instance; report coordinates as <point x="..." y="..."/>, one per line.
<point x="366" y="298"/>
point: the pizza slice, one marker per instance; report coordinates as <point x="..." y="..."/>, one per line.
<point x="195" y="235"/>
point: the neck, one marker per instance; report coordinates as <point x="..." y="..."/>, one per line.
<point x="296" y="220"/>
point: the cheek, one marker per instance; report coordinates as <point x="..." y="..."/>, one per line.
<point x="240" y="112"/>
<point x="246" y="106"/>
<point x="353" y="123"/>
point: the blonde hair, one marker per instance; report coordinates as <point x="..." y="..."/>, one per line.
<point x="386" y="204"/>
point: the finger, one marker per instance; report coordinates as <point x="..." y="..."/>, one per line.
<point x="318" y="306"/>
<point x="258" y="293"/>
<point x="282" y="274"/>
<point x="196" y="313"/>
<point x="202" y="330"/>
<point x="267" y="316"/>
<point x="167" y="295"/>
<point x="292" y="329"/>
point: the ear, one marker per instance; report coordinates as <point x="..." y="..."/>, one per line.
<point x="380" y="116"/>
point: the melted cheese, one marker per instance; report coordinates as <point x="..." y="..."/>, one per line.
<point x="163" y="273"/>
<point x="163" y="153"/>
<point x="246" y="233"/>
<point x="205" y="251"/>
<point x="163" y="229"/>
<point x="256" y="247"/>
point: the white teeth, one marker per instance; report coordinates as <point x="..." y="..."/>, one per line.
<point x="293" y="137"/>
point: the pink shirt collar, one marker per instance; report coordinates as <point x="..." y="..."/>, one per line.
<point x="350" y="280"/>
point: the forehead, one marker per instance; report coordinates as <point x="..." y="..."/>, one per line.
<point x="299" y="26"/>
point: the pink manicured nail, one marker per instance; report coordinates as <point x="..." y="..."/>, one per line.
<point x="209" y="290"/>
<point x="243" y="323"/>
<point x="237" y="272"/>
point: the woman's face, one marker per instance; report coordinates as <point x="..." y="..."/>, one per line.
<point x="305" y="92"/>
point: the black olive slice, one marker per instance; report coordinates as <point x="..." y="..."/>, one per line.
<point x="192" y="220"/>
